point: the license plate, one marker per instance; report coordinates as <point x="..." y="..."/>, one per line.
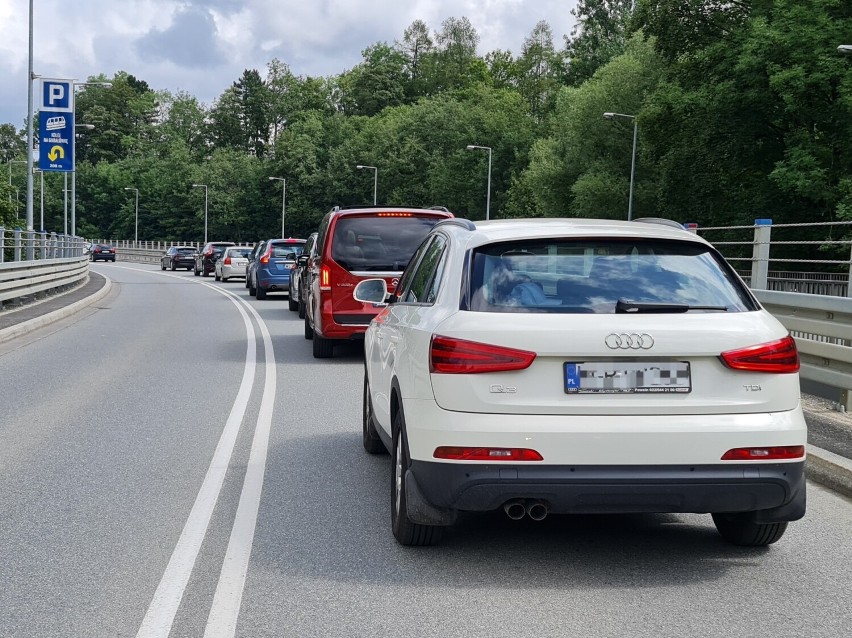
<point x="627" y="377"/>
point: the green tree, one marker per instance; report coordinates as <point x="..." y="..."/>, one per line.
<point x="599" y="35"/>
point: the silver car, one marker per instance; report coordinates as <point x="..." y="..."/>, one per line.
<point x="233" y="263"/>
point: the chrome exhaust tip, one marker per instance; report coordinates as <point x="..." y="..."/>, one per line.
<point x="515" y="510"/>
<point x="537" y="510"/>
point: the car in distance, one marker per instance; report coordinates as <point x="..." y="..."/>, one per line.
<point x="256" y="252"/>
<point x="232" y="263"/>
<point x="581" y="366"/>
<point x="298" y="276"/>
<point x="103" y="252"/>
<point x="178" y="257"/>
<point x="270" y="271"/>
<point x="205" y="259"/>
<point x="354" y="244"/>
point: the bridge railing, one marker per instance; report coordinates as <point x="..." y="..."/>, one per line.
<point x="33" y="264"/>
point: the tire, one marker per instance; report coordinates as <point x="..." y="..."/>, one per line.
<point x="292" y="304"/>
<point x="372" y="443"/>
<point x="216" y="277"/>
<point x="223" y="279"/>
<point x="204" y="273"/>
<point x="261" y="292"/>
<point x="740" y="529"/>
<point x="174" y="268"/>
<point x="163" y="267"/>
<point x="252" y="288"/>
<point x="195" y="271"/>
<point x="301" y="309"/>
<point x="404" y="529"/>
<point x="323" y="348"/>
<point x="309" y="331"/>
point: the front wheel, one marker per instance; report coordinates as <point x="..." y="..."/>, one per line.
<point x="372" y="443"/>
<point x="741" y="529"/>
<point x="404" y="529"/>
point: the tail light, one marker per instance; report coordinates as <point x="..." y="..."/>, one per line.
<point x="227" y="261"/>
<point x="486" y="454"/>
<point x="395" y="215"/>
<point x="325" y="278"/>
<point x="264" y="259"/>
<point x="774" y="453"/>
<point x="776" y="356"/>
<point x="208" y="252"/>
<point x="457" y="356"/>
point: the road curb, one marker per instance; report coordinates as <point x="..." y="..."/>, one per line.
<point x="25" y="327"/>
<point x="829" y="469"/>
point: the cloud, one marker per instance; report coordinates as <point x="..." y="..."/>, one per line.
<point x="189" y="41"/>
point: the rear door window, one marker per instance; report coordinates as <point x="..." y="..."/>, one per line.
<point x="379" y="243"/>
<point x="588" y="276"/>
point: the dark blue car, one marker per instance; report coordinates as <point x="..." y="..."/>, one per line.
<point x="271" y="268"/>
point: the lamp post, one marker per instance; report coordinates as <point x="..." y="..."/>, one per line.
<point x="611" y="116"/>
<point x="204" y="186"/>
<point x="473" y="147"/>
<point x="844" y="48"/>
<point x="87" y="127"/>
<point x="41" y="196"/>
<point x="106" y="85"/>
<point x="10" y="162"/>
<point x="375" y="179"/>
<point x="283" y="198"/>
<point x="136" y="233"/>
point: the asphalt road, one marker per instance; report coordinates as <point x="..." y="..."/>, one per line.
<point x="136" y="438"/>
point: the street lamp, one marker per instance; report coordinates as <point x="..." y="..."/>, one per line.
<point x="844" y="48"/>
<point x="204" y="186"/>
<point x="375" y="179"/>
<point x="611" y="116"/>
<point x="41" y="196"/>
<point x="473" y="147"/>
<point x="10" y="162"/>
<point x="106" y="85"/>
<point x="283" y="198"/>
<point x="136" y="234"/>
<point x="87" y="127"/>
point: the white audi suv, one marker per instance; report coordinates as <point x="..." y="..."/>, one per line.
<point x="581" y="366"/>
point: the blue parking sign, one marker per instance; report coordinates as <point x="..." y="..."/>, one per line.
<point x="57" y="95"/>
<point x="56" y="141"/>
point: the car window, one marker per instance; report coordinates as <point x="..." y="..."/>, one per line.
<point x="186" y="251"/>
<point x="424" y="272"/>
<point x="583" y="276"/>
<point x="376" y="243"/>
<point x="287" y="251"/>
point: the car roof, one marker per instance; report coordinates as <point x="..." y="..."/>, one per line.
<point x="484" y="232"/>
<point x="374" y="210"/>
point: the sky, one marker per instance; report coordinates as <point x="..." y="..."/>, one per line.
<point x="203" y="46"/>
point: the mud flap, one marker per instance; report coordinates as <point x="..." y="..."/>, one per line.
<point x="422" y="511"/>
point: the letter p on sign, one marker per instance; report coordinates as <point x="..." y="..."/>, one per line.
<point x="56" y="95"/>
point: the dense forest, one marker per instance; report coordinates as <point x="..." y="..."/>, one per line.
<point x="743" y="108"/>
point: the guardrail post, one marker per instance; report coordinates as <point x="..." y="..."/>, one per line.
<point x="16" y="242"/>
<point x="2" y="244"/>
<point x="760" y="254"/>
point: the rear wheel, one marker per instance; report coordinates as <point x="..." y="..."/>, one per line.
<point x="740" y="529"/>
<point x="252" y="288"/>
<point x="224" y="278"/>
<point x="195" y="271"/>
<point x="309" y="331"/>
<point x="292" y="304"/>
<point x="216" y="277"/>
<point x="404" y="529"/>
<point x="301" y="309"/>
<point x="261" y="292"/>
<point x="372" y="443"/>
<point x="323" y="348"/>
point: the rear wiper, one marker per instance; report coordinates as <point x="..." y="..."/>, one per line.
<point x="631" y="306"/>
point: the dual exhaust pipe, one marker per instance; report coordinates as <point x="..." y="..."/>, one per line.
<point x="516" y="509"/>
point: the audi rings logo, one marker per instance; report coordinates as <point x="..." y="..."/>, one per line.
<point x="632" y="341"/>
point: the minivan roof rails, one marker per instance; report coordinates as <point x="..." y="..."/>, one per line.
<point x="443" y="208"/>
<point x="457" y="221"/>
<point x="661" y="221"/>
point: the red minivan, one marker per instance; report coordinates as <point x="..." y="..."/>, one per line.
<point x="355" y="244"/>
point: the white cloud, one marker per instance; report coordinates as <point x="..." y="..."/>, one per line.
<point x="317" y="37"/>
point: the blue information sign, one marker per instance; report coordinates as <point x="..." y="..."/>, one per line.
<point x="56" y="141"/>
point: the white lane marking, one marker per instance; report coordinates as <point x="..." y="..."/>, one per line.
<point x="163" y="608"/>
<point x="222" y="621"/>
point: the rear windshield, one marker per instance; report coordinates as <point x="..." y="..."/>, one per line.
<point x="239" y="252"/>
<point x="378" y="243"/>
<point x="569" y="276"/>
<point x="287" y="251"/>
<point x="185" y="251"/>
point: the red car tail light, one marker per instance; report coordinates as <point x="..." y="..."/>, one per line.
<point x="264" y="259"/>
<point x="776" y="356"/>
<point x="227" y="261"/>
<point x="395" y="215"/>
<point x="773" y="453"/>
<point x="486" y="454"/>
<point x="325" y="278"/>
<point x="457" y="356"/>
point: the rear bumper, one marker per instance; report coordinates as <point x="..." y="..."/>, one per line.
<point x="273" y="281"/>
<point x="776" y="491"/>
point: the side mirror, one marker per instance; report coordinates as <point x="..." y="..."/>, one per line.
<point x="373" y="291"/>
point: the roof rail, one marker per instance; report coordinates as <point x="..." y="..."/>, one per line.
<point x="660" y="221"/>
<point x="457" y="221"/>
<point x="443" y="208"/>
